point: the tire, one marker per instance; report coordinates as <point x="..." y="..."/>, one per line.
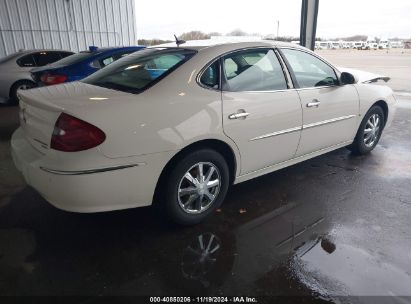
<point x="193" y="205"/>
<point x="367" y="135"/>
<point x="20" y="85"/>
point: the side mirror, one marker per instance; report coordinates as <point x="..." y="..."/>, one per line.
<point x="347" y="78"/>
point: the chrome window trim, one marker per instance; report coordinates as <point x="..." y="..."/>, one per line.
<point x="304" y="127"/>
<point x="318" y="88"/>
<point x="287" y="76"/>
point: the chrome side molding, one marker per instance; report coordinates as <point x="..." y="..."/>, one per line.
<point x="90" y="171"/>
<point x="307" y="126"/>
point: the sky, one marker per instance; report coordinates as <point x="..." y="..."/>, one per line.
<point x="336" y="18"/>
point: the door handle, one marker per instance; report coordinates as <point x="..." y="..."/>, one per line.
<point x="314" y="103"/>
<point x="240" y="114"/>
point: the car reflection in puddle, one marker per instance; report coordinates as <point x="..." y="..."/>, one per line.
<point x="292" y="250"/>
<point x="332" y="271"/>
<point x="199" y="258"/>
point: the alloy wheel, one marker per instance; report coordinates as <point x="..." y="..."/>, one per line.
<point x="199" y="188"/>
<point x="24" y="86"/>
<point x="372" y="130"/>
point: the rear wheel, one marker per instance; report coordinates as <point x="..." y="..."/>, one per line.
<point x="196" y="187"/>
<point x="369" y="132"/>
<point x="20" y="85"/>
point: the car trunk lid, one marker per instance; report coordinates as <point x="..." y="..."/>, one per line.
<point x="41" y="107"/>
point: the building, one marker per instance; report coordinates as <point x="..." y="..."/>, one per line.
<point x="66" y="24"/>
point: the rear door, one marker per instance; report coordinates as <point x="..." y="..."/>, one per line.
<point x="260" y="113"/>
<point x="330" y="110"/>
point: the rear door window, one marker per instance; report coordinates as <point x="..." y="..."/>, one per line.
<point x="253" y="70"/>
<point x="211" y="76"/>
<point x="106" y="61"/>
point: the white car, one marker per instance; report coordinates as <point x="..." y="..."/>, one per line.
<point x="384" y="44"/>
<point x="178" y="125"/>
<point x="15" y="70"/>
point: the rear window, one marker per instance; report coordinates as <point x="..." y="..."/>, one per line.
<point x="26" y="61"/>
<point x="140" y="70"/>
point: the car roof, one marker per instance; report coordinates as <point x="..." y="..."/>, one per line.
<point x="11" y="58"/>
<point x="211" y="43"/>
<point x="26" y="52"/>
<point x="109" y="49"/>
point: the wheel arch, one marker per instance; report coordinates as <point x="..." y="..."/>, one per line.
<point x="16" y="82"/>
<point x="215" y="144"/>
<point x="384" y="106"/>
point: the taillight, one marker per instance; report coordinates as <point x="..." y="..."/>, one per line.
<point x="49" y="79"/>
<point x="71" y="134"/>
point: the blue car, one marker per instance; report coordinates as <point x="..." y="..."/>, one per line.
<point x="80" y="65"/>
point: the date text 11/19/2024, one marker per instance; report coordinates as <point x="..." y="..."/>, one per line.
<point x="203" y="300"/>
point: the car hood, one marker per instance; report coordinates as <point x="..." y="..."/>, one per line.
<point x="363" y="76"/>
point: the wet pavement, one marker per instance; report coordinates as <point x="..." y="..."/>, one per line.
<point x="326" y="228"/>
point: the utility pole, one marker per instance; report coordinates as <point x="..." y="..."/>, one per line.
<point x="278" y="27"/>
<point x="308" y="28"/>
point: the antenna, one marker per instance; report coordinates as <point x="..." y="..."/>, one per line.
<point x="179" y="41"/>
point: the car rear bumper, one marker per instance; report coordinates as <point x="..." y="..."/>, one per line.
<point x="93" y="190"/>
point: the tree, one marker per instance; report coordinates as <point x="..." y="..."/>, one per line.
<point x="151" y="41"/>
<point x="354" y="38"/>
<point x="215" y="34"/>
<point x="194" y="35"/>
<point x="237" y="32"/>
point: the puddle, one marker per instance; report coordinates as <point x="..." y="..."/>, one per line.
<point x="333" y="270"/>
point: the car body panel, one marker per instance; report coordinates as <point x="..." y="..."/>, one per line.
<point x="271" y="132"/>
<point x="145" y="131"/>
<point x="333" y="121"/>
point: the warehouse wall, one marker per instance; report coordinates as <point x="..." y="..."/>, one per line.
<point x="65" y="24"/>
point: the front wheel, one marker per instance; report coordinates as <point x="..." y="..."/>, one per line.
<point x="369" y="132"/>
<point x="196" y="187"/>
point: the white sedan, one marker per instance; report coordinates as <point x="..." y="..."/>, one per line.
<point x="178" y="125"/>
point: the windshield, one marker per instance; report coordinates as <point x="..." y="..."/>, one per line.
<point x="75" y="58"/>
<point x="140" y="70"/>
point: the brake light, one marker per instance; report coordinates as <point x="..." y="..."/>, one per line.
<point x="71" y="134"/>
<point x="49" y="79"/>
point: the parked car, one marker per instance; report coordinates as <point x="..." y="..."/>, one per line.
<point x="15" y="70"/>
<point x="80" y="65"/>
<point x="323" y="45"/>
<point x="384" y="44"/>
<point x="178" y="125"/>
<point x="371" y="45"/>
<point x="359" y="45"/>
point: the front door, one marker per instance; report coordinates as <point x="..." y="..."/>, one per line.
<point x="330" y="110"/>
<point x="260" y="114"/>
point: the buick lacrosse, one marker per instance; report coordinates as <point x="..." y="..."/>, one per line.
<point x="178" y="125"/>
